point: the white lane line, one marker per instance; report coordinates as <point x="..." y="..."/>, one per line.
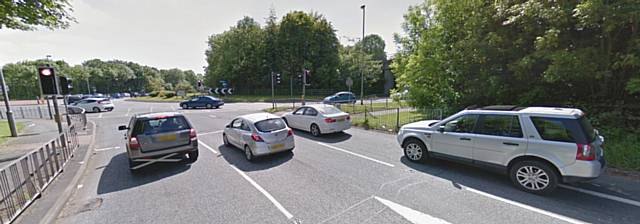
<point x="212" y="116"/>
<point x="211" y="132"/>
<point x="264" y="192"/>
<point x="105" y="149"/>
<point x="602" y="195"/>
<point x="208" y="147"/>
<point x="100" y="116"/>
<point x="411" y="215"/>
<point x="128" y="111"/>
<point x="150" y="109"/>
<point x="172" y="108"/>
<point x="518" y="204"/>
<point x="356" y="154"/>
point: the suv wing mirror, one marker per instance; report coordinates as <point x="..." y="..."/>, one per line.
<point x="122" y="128"/>
<point x="441" y="128"/>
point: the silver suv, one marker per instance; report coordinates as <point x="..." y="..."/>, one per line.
<point x="160" y="137"/>
<point x="537" y="146"/>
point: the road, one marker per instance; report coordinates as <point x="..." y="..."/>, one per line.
<point x="354" y="177"/>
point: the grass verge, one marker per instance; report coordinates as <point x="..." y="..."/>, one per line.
<point x="622" y="148"/>
<point x="5" y="132"/>
<point x="387" y="122"/>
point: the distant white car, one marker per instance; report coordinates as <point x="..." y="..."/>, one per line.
<point x="318" y="119"/>
<point x="96" y="105"/>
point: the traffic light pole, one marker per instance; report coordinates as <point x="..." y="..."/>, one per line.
<point x="58" y="120"/>
<point x="12" y="122"/>
<point x="304" y="85"/>
<point x="273" y="94"/>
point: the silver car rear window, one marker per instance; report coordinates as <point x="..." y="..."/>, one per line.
<point x="270" y="125"/>
<point x="160" y="125"/>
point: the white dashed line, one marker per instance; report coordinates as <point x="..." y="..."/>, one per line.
<point x="212" y="116"/>
<point x="100" y="116"/>
<point x="356" y="154"/>
<point x="411" y="215"/>
<point x="264" y="192"/>
<point x="527" y="207"/>
<point x="128" y="111"/>
<point x="105" y="149"/>
<point x="208" y="147"/>
<point x="150" y="109"/>
<point x="602" y="195"/>
<point x="211" y="132"/>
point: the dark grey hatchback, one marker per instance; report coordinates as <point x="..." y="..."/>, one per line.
<point x="160" y="137"/>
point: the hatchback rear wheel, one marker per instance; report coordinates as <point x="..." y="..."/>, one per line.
<point x="534" y="176"/>
<point x="96" y="110"/>
<point x="247" y="153"/>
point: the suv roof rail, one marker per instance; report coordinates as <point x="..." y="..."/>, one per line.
<point x="503" y="107"/>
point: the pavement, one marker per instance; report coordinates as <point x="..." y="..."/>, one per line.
<point x="35" y="134"/>
<point x="357" y="176"/>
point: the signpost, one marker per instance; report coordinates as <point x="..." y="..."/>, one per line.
<point x="12" y="123"/>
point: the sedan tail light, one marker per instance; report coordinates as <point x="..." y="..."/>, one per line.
<point x="256" y="138"/>
<point x="133" y="143"/>
<point x="329" y="120"/>
<point x="585" y="152"/>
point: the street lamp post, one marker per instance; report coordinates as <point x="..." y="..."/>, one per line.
<point x="12" y="122"/>
<point x="361" y="63"/>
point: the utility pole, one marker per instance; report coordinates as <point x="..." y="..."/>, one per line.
<point x="273" y="95"/>
<point x="12" y="122"/>
<point x="304" y="84"/>
<point x="88" y="88"/>
<point x="291" y="93"/>
<point x="362" y="62"/>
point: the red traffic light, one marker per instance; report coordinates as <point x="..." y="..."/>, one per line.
<point x="46" y="71"/>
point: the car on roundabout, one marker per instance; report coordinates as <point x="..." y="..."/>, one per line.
<point x="318" y="119"/>
<point x="258" y="134"/>
<point x="202" y="102"/>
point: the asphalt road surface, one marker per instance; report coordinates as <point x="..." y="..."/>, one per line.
<point x="354" y="177"/>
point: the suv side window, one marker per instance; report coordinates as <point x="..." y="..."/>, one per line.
<point x="299" y="111"/>
<point x="311" y="112"/>
<point x="500" y="125"/>
<point x="553" y="129"/>
<point x="462" y="124"/>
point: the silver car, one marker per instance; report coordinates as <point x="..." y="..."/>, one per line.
<point x="259" y="134"/>
<point x="160" y="137"/>
<point x="538" y="147"/>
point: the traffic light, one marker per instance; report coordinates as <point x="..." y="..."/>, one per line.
<point x="65" y="85"/>
<point x="307" y="77"/>
<point x="199" y="84"/>
<point x="299" y="79"/>
<point x="278" y="79"/>
<point x="48" y="80"/>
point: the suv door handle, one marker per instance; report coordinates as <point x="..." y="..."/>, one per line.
<point x="511" y="143"/>
<point x="465" y="139"/>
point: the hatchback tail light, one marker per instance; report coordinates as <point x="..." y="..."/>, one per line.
<point x="133" y="143"/>
<point x="193" y="135"/>
<point x="329" y="120"/>
<point x="290" y="132"/>
<point x="256" y="138"/>
<point x="585" y="152"/>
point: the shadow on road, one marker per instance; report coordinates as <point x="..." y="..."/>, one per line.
<point x="236" y="157"/>
<point x="563" y="201"/>
<point x="116" y="175"/>
<point x="325" y="138"/>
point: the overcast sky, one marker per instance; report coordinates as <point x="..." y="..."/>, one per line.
<point x="173" y="33"/>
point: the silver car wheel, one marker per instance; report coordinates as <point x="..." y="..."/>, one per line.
<point x="315" y="131"/>
<point x="414" y="151"/>
<point x="532" y="178"/>
<point x="247" y="153"/>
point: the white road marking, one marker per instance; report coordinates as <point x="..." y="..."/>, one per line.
<point x="212" y="116"/>
<point x="79" y="186"/>
<point x="172" y="107"/>
<point x="518" y="204"/>
<point x="100" y="116"/>
<point x="31" y="125"/>
<point x="211" y="132"/>
<point x="264" y="192"/>
<point x="128" y="111"/>
<point x="356" y="154"/>
<point x="105" y="149"/>
<point x="411" y="215"/>
<point x="602" y="195"/>
<point x="150" y="109"/>
<point x="208" y="147"/>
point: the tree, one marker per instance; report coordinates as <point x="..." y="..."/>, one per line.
<point x="373" y="45"/>
<point x="29" y="14"/>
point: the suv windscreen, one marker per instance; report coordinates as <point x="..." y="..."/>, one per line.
<point x="270" y="125"/>
<point x="560" y="129"/>
<point x="160" y="125"/>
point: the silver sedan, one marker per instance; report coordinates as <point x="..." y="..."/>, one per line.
<point x="259" y="134"/>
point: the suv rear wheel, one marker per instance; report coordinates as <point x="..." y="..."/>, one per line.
<point x="534" y="176"/>
<point x="415" y="150"/>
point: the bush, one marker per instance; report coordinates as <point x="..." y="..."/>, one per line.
<point x="621" y="148"/>
<point x="153" y="94"/>
<point x="169" y="94"/>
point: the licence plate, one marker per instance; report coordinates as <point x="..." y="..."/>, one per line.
<point x="167" y="138"/>
<point x="277" y="146"/>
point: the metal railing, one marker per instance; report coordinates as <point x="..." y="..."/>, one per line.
<point x="391" y="118"/>
<point x="28" y="112"/>
<point x="22" y="181"/>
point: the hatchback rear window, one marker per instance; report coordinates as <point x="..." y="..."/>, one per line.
<point x="160" y="125"/>
<point x="560" y="129"/>
<point x="270" y="125"/>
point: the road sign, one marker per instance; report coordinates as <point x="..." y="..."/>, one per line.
<point x="349" y="82"/>
<point x="181" y="93"/>
<point x="217" y="91"/>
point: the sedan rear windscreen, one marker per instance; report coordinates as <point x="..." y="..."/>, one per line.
<point x="270" y="125"/>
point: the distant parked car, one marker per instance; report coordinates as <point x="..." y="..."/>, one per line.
<point x="73" y="98"/>
<point x="258" y="134"/>
<point x="202" y="102"/>
<point x="95" y="105"/>
<point x="318" y="119"/>
<point x="126" y="95"/>
<point x="539" y="147"/>
<point x="340" y="97"/>
<point x="155" y="136"/>
<point x="75" y="110"/>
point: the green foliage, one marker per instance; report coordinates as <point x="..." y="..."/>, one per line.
<point x="460" y="53"/>
<point x="29" y="14"/>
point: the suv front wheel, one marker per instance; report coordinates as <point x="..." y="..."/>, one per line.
<point x="534" y="176"/>
<point x="415" y="150"/>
